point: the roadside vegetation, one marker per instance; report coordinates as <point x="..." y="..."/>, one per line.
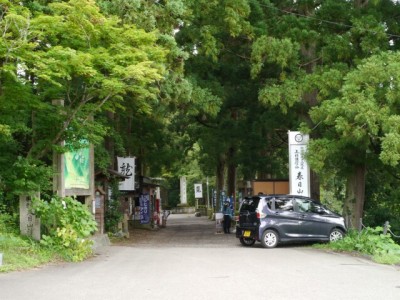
<point x="65" y="235"/>
<point x="371" y="242"/>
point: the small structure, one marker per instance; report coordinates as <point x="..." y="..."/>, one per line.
<point x="149" y="200"/>
<point x="271" y="186"/>
<point x="268" y="186"/>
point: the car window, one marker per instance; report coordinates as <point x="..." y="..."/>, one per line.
<point x="270" y="203"/>
<point x="249" y="204"/>
<point x="304" y="205"/>
<point x="284" y="203"/>
<point x="265" y="202"/>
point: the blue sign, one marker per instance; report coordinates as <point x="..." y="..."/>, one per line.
<point x="214" y="198"/>
<point x="144" y="201"/>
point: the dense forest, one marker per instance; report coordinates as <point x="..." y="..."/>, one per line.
<point x="206" y="88"/>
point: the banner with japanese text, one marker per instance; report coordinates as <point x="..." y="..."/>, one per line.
<point x="126" y="166"/>
<point x="183" y="190"/>
<point x="299" y="170"/>
<point x="198" y="190"/>
<point x="144" y="202"/>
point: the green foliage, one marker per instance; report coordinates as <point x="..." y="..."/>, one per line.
<point x="372" y="242"/>
<point x="70" y="245"/>
<point x="269" y="50"/>
<point x="67" y="223"/>
<point x="9" y="223"/>
<point x="383" y="197"/>
<point x="30" y="176"/>
<point x="113" y="214"/>
<point x="70" y="51"/>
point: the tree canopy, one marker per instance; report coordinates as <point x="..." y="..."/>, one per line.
<point x="216" y="82"/>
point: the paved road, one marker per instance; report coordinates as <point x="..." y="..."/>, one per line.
<point x="187" y="260"/>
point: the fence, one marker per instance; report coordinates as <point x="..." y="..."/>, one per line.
<point x="386" y="227"/>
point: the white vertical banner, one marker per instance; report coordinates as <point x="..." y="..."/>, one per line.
<point x="299" y="170"/>
<point x="183" y="190"/>
<point x="198" y="190"/>
<point x="126" y="166"/>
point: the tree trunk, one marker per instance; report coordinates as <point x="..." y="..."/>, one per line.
<point x="109" y="141"/>
<point x="314" y="186"/>
<point x="220" y="181"/>
<point x="231" y="176"/>
<point x="355" y="196"/>
<point x="360" y="3"/>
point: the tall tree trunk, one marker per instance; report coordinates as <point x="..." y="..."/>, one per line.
<point x="314" y="186"/>
<point x="231" y="190"/>
<point x="220" y="181"/>
<point x="109" y="142"/>
<point x="360" y="3"/>
<point x="355" y="197"/>
<point x="231" y="180"/>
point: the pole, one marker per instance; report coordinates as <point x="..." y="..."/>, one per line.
<point x="208" y="199"/>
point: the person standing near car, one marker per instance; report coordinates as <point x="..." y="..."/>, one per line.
<point x="227" y="211"/>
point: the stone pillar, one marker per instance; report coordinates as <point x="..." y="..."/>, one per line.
<point x="29" y="224"/>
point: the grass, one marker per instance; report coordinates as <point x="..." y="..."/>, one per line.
<point x="21" y="253"/>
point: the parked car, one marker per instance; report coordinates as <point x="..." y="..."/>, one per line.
<point x="272" y="219"/>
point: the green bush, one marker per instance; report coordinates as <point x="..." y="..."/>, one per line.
<point x="112" y="216"/>
<point x="370" y="241"/>
<point x="9" y="223"/>
<point x="113" y="213"/>
<point x="66" y="223"/>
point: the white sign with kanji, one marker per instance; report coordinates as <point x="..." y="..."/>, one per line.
<point x="299" y="170"/>
<point x="126" y="166"/>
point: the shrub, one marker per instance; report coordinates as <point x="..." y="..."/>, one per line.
<point x="370" y="241"/>
<point x="9" y="223"/>
<point x="113" y="213"/>
<point x="66" y="223"/>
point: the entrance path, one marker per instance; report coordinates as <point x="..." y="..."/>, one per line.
<point x="182" y="230"/>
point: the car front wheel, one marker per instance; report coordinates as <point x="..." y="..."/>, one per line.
<point x="270" y="239"/>
<point x="247" y="242"/>
<point x="336" y="235"/>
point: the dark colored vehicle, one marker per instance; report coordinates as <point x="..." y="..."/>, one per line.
<point x="272" y="219"/>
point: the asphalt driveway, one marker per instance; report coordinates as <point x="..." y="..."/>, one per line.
<point x="188" y="260"/>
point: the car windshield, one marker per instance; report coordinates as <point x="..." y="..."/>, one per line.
<point x="329" y="210"/>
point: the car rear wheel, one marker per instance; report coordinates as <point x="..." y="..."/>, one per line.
<point x="247" y="242"/>
<point x="336" y="235"/>
<point x="270" y="239"/>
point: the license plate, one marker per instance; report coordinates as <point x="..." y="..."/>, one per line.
<point x="246" y="233"/>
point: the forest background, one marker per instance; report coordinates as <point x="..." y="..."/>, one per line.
<point x="206" y="88"/>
